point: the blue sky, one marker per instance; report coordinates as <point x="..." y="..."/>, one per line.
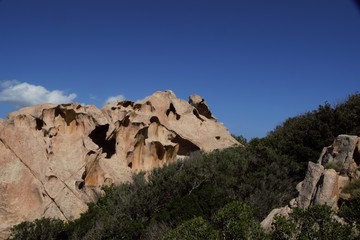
<point x="256" y="63"/>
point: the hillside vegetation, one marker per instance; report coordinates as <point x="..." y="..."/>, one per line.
<point x="223" y="194"/>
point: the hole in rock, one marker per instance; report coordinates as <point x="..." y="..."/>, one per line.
<point x="204" y="110"/>
<point x="143" y="132"/>
<point x="83" y="176"/>
<point x="130" y="165"/>
<point x="125" y="122"/>
<point x="173" y="110"/>
<point x="160" y="150"/>
<point x="137" y="106"/>
<point x="356" y="156"/>
<point x="185" y="146"/>
<point x="39" y="123"/>
<point x="126" y="103"/>
<point x="154" y="119"/>
<point x="98" y="136"/>
<point x="80" y="184"/>
<point x="217" y="137"/>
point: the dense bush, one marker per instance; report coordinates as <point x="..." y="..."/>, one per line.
<point x="193" y="229"/>
<point x="315" y="222"/>
<point x="40" y="229"/>
<point x="235" y="221"/>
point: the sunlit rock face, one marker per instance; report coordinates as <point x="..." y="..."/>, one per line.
<point x="54" y="159"/>
<point x="337" y="166"/>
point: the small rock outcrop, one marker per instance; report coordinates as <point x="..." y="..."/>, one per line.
<point x="337" y="165"/>
<point x="54" y="159"/>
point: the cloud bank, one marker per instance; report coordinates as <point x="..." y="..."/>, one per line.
<point x="22" y="94"/>
<point x="113" y="99"/>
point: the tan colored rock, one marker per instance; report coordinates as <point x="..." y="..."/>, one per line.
<point x="267" y="223"/>
<point x="199" y="103"/>
<point x="54" y="159"/>
<point x="324" y="186"/>
<point x="340" y="154"/>
<point x="308" y="186"/>
<point x="328" y="189"/>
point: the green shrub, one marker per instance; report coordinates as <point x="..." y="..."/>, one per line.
<point x="40" y="229"/>
<point x="194" y="229"/>
<point x="235" y="221"/>
<point x="315" y="222"/>
<point x="334" y="165"/>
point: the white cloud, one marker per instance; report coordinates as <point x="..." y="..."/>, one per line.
<point x="21" y="94"/>
<point x="113" y="99"/>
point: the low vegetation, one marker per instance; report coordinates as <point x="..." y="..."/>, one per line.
<point x="223" y="194"/>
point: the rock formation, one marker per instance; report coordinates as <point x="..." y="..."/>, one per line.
<point x="337" y="165"/>
<point x="54" y="159"/>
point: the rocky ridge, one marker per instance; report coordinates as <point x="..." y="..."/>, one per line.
<point x="54" y="159"/>
<point x="338" y="165"/>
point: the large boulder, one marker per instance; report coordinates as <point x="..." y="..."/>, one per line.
<point x="54" y="159"/>
<point x="337" y="165"/>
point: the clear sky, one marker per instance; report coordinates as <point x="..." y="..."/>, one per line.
<point x="255" y="62"/>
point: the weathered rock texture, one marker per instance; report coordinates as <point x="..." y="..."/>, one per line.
<point x="338" y="164"/>
<point x="55" y="158"/>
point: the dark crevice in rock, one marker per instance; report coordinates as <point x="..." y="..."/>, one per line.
<point x="204" y="110"/>
<point x="83" y="176"/>
<point x="65" y="104"/>
<point x="154" y="119"/>
<point x="173" y="110"/>
<point x="137" y="106"/>
<point x="317" y="188"/>
<point x="39" y="123"/>
<point x="341" y="202"/>
<point x="217" y="137"/>
<point x="160" y="150"/>
<point x="126" y="103"/>
<point x="80" y="184"/>
<point x="129" y="157"/>
<point x="201" y="106"/>
<point x="142" y="133"/>
<point x="125" y="122"/>
<point x="356" y="156"/>
<point x="98" y="136"/>
<point x="196" y="113"/>
<point x="151" y="106"/>
<point x="185" y="146"/>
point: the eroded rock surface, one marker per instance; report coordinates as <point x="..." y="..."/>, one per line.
<point x="337" y="165"/>
<point x="55" y="158"/>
